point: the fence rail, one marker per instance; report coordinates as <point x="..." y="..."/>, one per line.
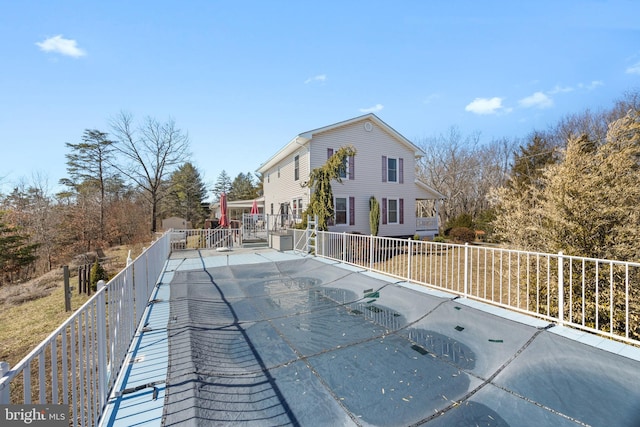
<point x="596" y="295"/>
<point x="80" y="361"/>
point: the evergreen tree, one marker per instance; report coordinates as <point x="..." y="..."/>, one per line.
<point x="88" y="165"/>
<point x="16" y="252"/>
<point x="243" y="187"/>
<point x="374" y="215"/>
<point x="186" y="194"/>
<point x="223" y="184"/>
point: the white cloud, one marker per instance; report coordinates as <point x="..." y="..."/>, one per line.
<point x="318" y="78"/>
<point x="58" y="44"/>
<point x="485" y="106"/>
<point x="634" y="69"/>
<point x="594" y="84"/>
<point x="560" y="89"/>
<point x="373" y="109"/>
<point x="537" y="100"/>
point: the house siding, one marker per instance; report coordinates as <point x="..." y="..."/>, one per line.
<point x="370" y="146"/>
<point x="284" y="189"/>
<point x="371" y="141"/>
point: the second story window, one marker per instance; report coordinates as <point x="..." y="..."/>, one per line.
<point x="392" y="170"/>
<point x="296" y="168"/>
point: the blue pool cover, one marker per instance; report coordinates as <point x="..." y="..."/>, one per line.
<point x="268" y="340"/>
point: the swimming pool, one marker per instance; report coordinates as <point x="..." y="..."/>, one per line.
<point x="305" y="342"/>
<point x="263" y="339"/>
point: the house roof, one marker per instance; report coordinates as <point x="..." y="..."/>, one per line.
<point x="433" y="192"/>
<point x="303" y="138"/>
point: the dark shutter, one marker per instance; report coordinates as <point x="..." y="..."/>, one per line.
<point x="384" y="168"/>
<point x="352" y="167"/>
<point x="401" y="211"/>
<point x="384" y="210"/>
<point x="352" y="210"/>
<point x="329" y="152"/>
<point x="401" y="170"/>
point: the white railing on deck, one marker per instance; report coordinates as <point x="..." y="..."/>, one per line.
<point x="427" y="223"/>
<point x="207" y="238"/>
<point x="80" y="361"/>
<point x="596" y="295"/>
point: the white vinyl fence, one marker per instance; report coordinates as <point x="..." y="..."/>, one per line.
<point x="79" y="362"/>
<point x="596" y="295"/>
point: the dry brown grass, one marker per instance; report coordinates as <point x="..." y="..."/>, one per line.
<point x="29" y="312"/>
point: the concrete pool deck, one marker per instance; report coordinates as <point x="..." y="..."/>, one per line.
<point x="261" y="338"/>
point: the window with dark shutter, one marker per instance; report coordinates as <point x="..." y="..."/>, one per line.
<point x="329" y="152"/>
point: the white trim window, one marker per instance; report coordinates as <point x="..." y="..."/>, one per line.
<point x="392" y="211"/>
<point x="392" y="169"/>
<point x="296" y="168"/>
<point x="344" y="210"/>
<point x="341" y="210"/>
<point x="297" y="208"/>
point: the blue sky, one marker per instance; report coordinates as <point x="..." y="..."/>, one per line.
<point x="244" y="77"/>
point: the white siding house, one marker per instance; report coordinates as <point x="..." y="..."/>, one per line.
<point x="384" y="167"/>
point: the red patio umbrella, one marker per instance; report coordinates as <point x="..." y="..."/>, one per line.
<point x="254" y="208"/>
<point x="224" y="221"/>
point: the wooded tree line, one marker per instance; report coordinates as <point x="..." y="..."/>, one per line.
<point x="573" y="187"/>
<point x="118" y="185"/>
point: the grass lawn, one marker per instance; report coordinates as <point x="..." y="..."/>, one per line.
<point x="30" y="312"/>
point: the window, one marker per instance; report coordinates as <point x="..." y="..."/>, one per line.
<point x="278" y="171"/>
<point x="392" y="170"/>
<point x="344" y="211"/>
<point x="345" y="172"/>
<point x="297" y="208"/>
<point x="296" y="168"/>
<point x="392" y="211"/>
<point x="341" y="210"/>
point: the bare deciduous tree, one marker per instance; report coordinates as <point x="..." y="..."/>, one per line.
<point x="463" y="170"/>
<point x="151" y="151"/>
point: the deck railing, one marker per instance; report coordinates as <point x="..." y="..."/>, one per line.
<point x="595" y="295"/>
<point x="79" y="362"/>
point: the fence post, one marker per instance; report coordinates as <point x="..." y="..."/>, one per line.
<point x="344" y="246"/>
<point x="560" y="288"/>
<point x="371" y="252"/>
<point x="67" y="288"/>
<point x="466" y="269"/>
<point x="409" y="259"/>
<point x="4" y="391"/>
<point x="102" y="341"/>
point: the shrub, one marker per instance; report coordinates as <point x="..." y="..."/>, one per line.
<point x="439" y="239"/>
<point x="462" y="235"/>
<point x="97" y="273"/>
<point x="462" y="220"/>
